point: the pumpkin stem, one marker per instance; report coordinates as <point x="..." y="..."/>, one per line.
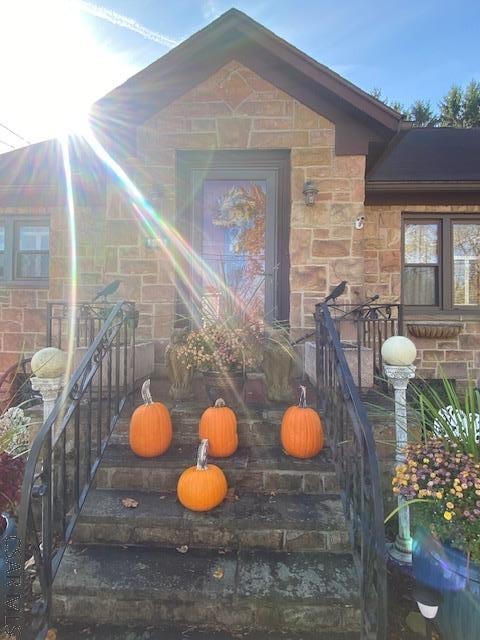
<point x="202" y="455"/>
<point x="146" y="395"/>
<point x="220" y="402"/>
<point x="303" y="397"/>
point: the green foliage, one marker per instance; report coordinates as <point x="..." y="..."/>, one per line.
<point x="451" y="108"/>
<point x="14" y="431"/>
<point x="458" y="108"/>
<point x="422" y="113"/>
<point x="460" y="424"/>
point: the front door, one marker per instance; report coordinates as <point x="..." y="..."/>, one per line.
<point x="234" y="214"/>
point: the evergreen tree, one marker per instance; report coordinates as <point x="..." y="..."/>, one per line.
<point x="422" y="114"/>
<point x="471" y="105"/>
<point x="451" y="108"/>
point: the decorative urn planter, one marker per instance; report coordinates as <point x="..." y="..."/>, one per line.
<point x="448" y="570"/>
<point x="445" y="329"/>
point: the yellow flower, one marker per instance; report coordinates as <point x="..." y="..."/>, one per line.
<point x="416" y="487"/>
<point x="452" y="491"/>
<point x="450" y="505"/>
<point x="448" y="515"/>
<point x="439" y="495"/>
<point x="426" y="460"/>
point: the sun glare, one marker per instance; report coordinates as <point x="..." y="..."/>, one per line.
<point x="53" y="67"/>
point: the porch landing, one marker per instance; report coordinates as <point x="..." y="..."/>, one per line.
<point x="274" y="557"/>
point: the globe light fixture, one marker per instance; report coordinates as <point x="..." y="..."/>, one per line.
<point x="399" y="351"/>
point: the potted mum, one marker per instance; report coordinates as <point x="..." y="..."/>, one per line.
<point x="441" y="480"/>
<point x="223" y="353"/>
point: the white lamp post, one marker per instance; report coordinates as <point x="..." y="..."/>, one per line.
<point x="398" y="354"/>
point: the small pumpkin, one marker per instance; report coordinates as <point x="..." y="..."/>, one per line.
<point x="302" y="431"/>
<point x="202" y="487"/>
<point x="219" y="425"/>
<point x="150" y="432"/>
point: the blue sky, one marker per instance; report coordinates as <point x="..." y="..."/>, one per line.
<point x="59" y="55"/>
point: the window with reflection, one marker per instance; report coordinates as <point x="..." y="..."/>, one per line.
<point x="24" y="250"/>
<point x="441" y="262"/>
<point x="421" y="264"/>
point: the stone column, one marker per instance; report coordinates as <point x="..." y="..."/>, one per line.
<point x="49" y="389"/>
<point x="399" y="377"/>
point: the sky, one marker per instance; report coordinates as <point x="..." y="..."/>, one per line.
<point x="58" y="56"/>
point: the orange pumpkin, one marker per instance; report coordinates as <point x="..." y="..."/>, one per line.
<point x="219" y="425"/>
<point x="203" y="487"/>
<point x="302" y="431"/>
<point x="150" y="426"/>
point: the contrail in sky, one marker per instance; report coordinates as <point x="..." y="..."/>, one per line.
<point x="124" y="21"/>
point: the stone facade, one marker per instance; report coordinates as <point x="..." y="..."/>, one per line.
<point x="458" y="357"/>
<point x="236" y="109"/>
<point x="233" y="109"/>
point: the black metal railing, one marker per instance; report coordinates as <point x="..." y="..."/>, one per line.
<point x="88" y="317"/>
<point x="363" y="329"/>
<point x="68" y="448"/>
<point x="351" y="437"/>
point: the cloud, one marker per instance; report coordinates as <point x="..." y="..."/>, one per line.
<point x="210" y="10"/>
<point x="121" y="20"/>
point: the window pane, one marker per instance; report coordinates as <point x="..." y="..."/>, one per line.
<point x="2" y="238"/>
<point x="466" y="257"/>
<point x="420" y="286"/>
<point x="421" y="243"/>
<point x="32" y="265"/>
<point x="33" y="238"/>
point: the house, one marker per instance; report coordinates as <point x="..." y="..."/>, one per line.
<point x="236" y="112"/>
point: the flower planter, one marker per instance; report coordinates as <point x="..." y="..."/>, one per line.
<point x="445" y="330"/>
<point x="447" y="570"/>
<point x="228" y="386"/>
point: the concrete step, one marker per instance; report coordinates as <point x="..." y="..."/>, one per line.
<point x="236" y="591"/>
<point x="177" y="632"/>
<point x="280" y="522"/>
<point x="251" y="431"/>
<point x="252" y="469"/>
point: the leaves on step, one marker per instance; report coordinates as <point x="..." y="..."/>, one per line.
<point x="129" y="503"/>
<point x="218" y="573"/>
<point x="51" y="634"/>
<point x="183" y="548"/>
<point x="231" y="495"/>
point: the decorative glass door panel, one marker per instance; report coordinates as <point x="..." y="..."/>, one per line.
<point x="233" y="248"/>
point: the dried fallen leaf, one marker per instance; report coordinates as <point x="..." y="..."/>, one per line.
<point x="51" y="634"/>
<point x="218" y="573"/>
<point x="231" y="495"/>
<point x="129" y="503"/>
<point x="183" y="548"/>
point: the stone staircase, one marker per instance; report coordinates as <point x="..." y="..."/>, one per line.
<point x="273" y="558"/>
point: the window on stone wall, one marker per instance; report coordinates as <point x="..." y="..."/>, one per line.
<point x="24" y="251"/>
<point x="441" y="262"/>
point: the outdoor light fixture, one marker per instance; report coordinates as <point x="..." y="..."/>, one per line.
<point x="428" y="601"/>
<point x="309" y="192"/>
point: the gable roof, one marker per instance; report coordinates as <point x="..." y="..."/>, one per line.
<point x="359" y="117"/>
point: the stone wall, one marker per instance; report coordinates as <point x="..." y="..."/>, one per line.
<point x="23" y="309"/>
<point x="236" y="109"/>
<point x="457" y="358"/>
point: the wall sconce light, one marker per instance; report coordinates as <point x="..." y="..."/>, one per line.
<point x="309" y="192"/>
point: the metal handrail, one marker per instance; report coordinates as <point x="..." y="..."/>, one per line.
<point x="354" y="452"/>
<point x="59" y="472"/>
